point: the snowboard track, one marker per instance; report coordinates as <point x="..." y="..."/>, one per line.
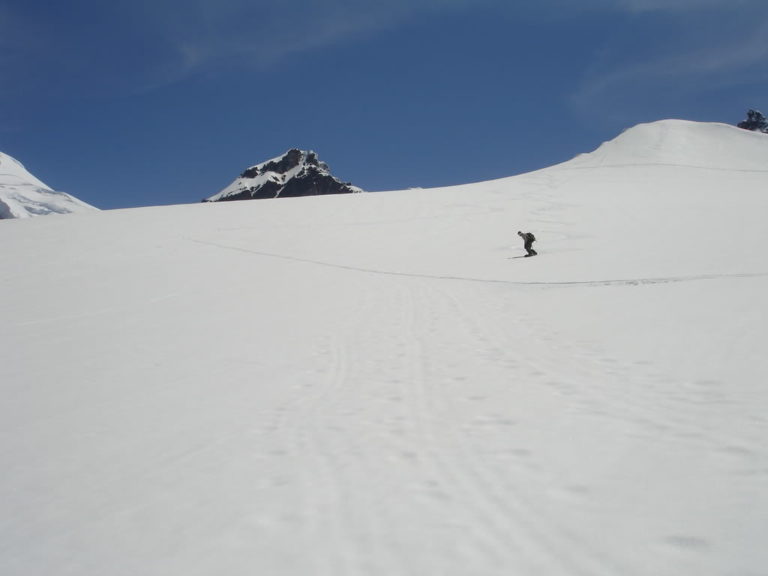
<point x="522" y="283"/>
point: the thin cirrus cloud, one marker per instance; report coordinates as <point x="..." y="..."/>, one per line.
<point x="144" y="44"/>
<point x="207" y="37"/>
<point x="262" y="35"/>
<point x="706" y="45"/>
<point x="137" y="46"/>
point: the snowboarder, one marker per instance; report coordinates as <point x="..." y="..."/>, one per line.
<point x="528" y="239"/>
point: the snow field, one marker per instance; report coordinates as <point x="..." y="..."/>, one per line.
<point x="375" y="384"/>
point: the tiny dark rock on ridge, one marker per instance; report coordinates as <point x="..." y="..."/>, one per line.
<point x="755" y="122"/>
<point x="295" y="173"/>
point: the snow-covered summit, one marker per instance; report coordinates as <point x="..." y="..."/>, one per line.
<point x="295" y="173"/>
<point x="22" y="195"/>
<point x="681" y="143"/>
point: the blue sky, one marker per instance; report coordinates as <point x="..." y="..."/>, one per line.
<point x="142" y="102"/>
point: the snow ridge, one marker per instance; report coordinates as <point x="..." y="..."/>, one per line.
<point x="22" y="195"/>
<point x="681" y="143"/>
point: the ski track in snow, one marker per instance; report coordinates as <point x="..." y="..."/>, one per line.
<point x="515" y="530"/>
<point x="449" y="478"/>
<point x="664" y="165"/>
<point x="217" y="409"/>
<point x="554" y="283"/>
<point x="455" y="472"/>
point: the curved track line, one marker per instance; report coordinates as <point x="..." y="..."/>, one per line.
<point x="616" y="282"/>
<point x="666" y="165"/>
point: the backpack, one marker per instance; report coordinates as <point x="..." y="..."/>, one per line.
<point x="531" y="237"/>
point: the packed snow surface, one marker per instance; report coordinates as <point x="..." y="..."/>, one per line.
<point x="380" y="384"/>
<point x="23" y="195"/>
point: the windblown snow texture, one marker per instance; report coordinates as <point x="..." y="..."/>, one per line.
<point x="296" y="173"/>
<point x="22" y="195"/>
<point x="375" y="384"/>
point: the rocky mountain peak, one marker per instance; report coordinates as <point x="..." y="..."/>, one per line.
<point x="295" y="173"/>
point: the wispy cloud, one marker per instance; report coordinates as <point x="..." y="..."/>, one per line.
<point x="141" y="45"/>
<point x="707" y="46"/>
<point x="212" y="33"/>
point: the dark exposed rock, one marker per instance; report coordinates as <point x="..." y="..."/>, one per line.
<point x="755" y="122"/>
<point x="296" y="173"/>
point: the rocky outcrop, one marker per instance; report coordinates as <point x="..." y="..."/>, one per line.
<point x="295" y="173"/>
<point x="755" y="122"/>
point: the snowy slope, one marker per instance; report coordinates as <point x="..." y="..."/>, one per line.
<point x="22" y="195"/>
<point x="680" y="143"/>
<point x="240" y="389"/>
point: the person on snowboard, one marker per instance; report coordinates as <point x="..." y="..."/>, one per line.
<point x="528" y="240"/>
